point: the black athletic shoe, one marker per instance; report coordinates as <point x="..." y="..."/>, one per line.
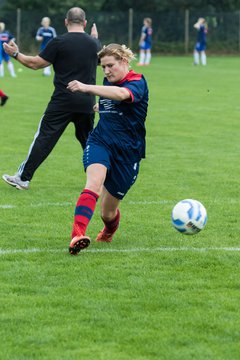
<point x="4" y="100"/>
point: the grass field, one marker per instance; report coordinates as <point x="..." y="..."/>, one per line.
<point x="153" y="293"/>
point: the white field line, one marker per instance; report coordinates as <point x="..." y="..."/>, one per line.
<point x="130" y="202"/>
<point x="42" y="204"/>
<point x="130" y="250"/>
<point x="7" y="206"/>
<point x="68" y="203"/>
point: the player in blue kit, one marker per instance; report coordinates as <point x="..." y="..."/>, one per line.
<point x="115" y="147"/>
<point x="44" y="34"/>
<point x="145" y="43"/>
<point x="200" y="47"/>
<point x="5" y="37"/>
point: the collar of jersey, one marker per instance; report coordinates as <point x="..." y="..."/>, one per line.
<point x="131" y="76"/>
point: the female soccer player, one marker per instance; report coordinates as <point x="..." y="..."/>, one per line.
<point x="145" y="43"/>
<point x="5" y="37"/>
<point x="44" y="34"/>
<point x="200" y="47"/>
<point x="116" y="145"/>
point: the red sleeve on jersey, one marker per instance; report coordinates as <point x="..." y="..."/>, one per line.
<point x="131" y="100"/>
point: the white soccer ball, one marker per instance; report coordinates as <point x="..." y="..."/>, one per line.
<point x="189" y="216"/>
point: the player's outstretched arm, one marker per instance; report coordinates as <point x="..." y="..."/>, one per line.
<point x="109" y="92"/>
<point x="33" y="62"/>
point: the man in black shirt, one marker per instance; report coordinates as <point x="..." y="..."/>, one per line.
<point x="74" y="57"/>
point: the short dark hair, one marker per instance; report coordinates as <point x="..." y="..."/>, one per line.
<point x="76" y="15"/>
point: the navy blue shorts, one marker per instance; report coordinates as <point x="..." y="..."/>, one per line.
<point x="4" y="56"/>
<point x="145" y="45"/>
<point x="200" y="46"/>
<point x="120" y="176"/>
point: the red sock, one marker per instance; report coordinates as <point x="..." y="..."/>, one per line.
<point x="84" y="211"/>
<point x="111" y="226"/>
<point x="2" y="93"/>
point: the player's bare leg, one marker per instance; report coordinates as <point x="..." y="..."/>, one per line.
<point x="148" y="57"/>
<point x="142" y="55"/>
<point x="110" y="215"/>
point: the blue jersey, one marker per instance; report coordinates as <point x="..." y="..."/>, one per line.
<point x="5" y="36"/>
<point x="201" y="38"/>
<point x="47" y="34"/>
<point x="147" y="42"/>
<point x="121" y="128"/>
<point x="202" y="32"/>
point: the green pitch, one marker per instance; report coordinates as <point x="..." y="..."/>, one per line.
<point x="153" y="294"/>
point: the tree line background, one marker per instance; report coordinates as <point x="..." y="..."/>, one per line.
<point x="54" y="6"/>
<point x="172" y="21"/>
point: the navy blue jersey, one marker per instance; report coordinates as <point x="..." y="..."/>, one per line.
<point x="202" y="32"/>
<point x="6" y="36"/>
<point x="47" y="35"/>
<point x="147" y="42"/>
<point x="121" y="127"/>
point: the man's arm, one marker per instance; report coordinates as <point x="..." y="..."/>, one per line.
<point x="32" y="62"/>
